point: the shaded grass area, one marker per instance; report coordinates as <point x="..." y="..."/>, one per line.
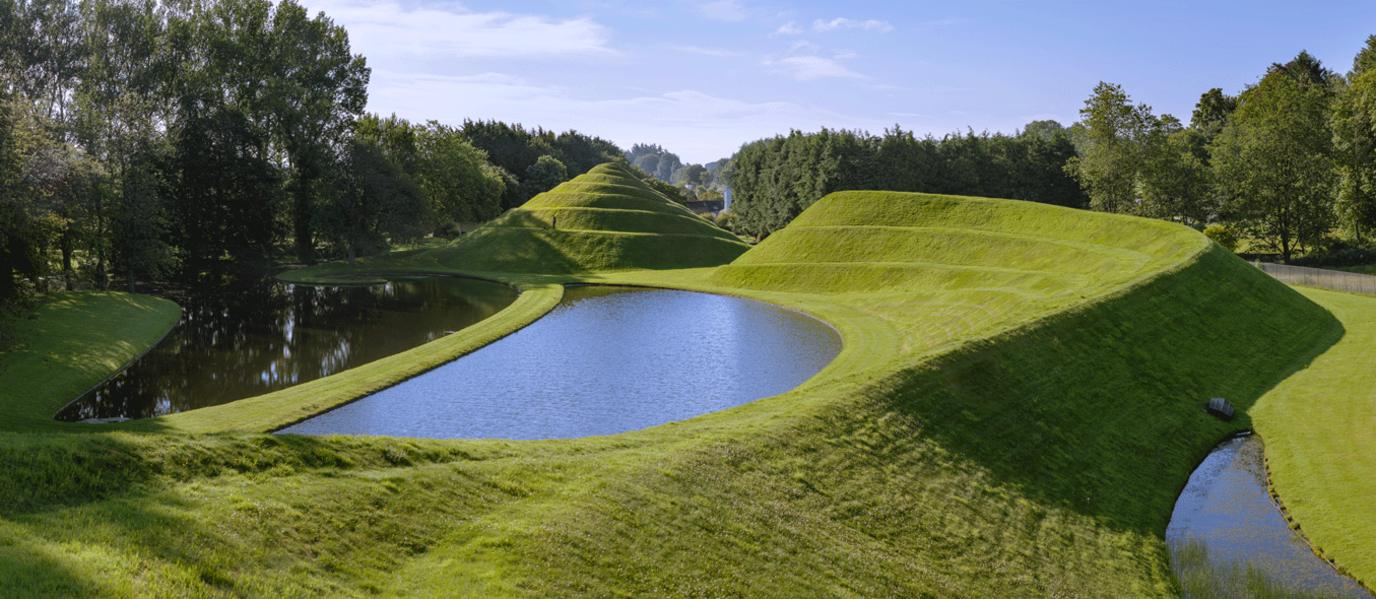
<point x="70" y="343"/>
<point x="1320" y="430"/>
<point x="980" y="434"/>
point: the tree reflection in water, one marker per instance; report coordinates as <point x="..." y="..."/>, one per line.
<point x="249" y="339"/>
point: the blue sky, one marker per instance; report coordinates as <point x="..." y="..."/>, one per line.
<point x="701" y="77"/>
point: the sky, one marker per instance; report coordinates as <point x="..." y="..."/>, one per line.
<point x="702" y="77"/>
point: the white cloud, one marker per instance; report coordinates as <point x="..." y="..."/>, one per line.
<point x="700" y="127"/>
<point x="705" y="51"/>
<point x="838" y="23"/>
<point x="723" y="10"/>
<point x="811" y="68"/>
<point x="433" y="31"/>
<point x="789" y="28"/>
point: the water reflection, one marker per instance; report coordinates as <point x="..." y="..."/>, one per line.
<point x="1228" y="539"/>
<point x="251" y="339"/>
<point x="606" y="360"/>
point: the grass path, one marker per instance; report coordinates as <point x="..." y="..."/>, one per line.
<point x="1320" y="432"/>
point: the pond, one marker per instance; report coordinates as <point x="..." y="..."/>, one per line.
<point x="606" y="360"/>
<point x="251" y="339"/>
<point x="1228" y="538"/>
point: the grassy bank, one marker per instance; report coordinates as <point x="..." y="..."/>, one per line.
<point x="1017" y="402"/>
<point x="70" y="343"/>
<point x="1320" y="431"/>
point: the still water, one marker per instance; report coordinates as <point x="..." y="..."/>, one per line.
<point x="1228" y="538"/>
<point x="252" y="339"/>
<point x="606" y="360"/>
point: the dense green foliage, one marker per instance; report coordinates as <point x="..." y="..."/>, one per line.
<point x="1274" y="159"/>
<point x="1286" y="164"/>
<point x="776" y="179"/>
<point x="150" y="141"/>
<point x="518" y="151"/>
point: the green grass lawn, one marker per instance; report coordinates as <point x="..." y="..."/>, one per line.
<point x="1320" y="432"/>
<point x="1016" y="405"/>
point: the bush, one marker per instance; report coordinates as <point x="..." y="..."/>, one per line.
<point x="1222" y="235"/>
<point x="727" y="220"/>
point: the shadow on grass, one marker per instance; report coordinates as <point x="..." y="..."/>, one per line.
<point x="1101" y="411"/>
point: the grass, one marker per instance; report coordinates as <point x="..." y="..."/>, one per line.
<point x="1320" y="431"/>
<point x="70" y="343"/>
<point x="1017" y="402"/>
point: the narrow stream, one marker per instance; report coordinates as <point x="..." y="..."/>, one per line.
<point x="1228" y="539"/>
<point x="606" y="360"/>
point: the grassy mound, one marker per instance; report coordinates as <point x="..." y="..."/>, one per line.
<point x="1016" y="405"/>
<point x="865" y="241"/>
<point x="605" y="219"/>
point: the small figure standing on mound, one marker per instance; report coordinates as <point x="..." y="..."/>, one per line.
<point x="554" y="222"/>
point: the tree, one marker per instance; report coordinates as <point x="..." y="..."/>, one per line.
<point x="542" y="176"/>
<point x="1365" y="59"/>
<point x="74" y="186"/>
<point x="315" y="99"/>
<point x="224" y="195"/>
<point x="373" y="205"/>
<point x="1112" y="148"/>
<point x="1211" y="112"/>
<point x="1354" y="140"/>
<point x="141" y="223"/>
<point x="23" y="223"/>
<point x="1274" y="159"/>
<point x="1174" y="180"/>
<point x="454" y="176"/>
<point x="1046" y="130"/>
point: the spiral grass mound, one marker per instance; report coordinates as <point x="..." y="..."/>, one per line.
<point x="605" y="219"/>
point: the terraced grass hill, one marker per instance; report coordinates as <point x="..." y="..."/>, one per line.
<point x="604" y="219"/>
<point x="874" y="241"/>
<point x="1016" y="405"/>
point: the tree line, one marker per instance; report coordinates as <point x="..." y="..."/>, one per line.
<point x="192" y="139"/>
<point x="1288" y="164"/>
<point x="1285" y="165"/>
<point x="775" y="179"/>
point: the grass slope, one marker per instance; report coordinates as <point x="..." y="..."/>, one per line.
<point x="1017" y="402"/>
<point x="71" y="343"/>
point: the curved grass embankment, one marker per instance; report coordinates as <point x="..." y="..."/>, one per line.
<point x="1320" y="431"/>
<point x="1016" y="404"/>
<point x="70" y="343"/>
